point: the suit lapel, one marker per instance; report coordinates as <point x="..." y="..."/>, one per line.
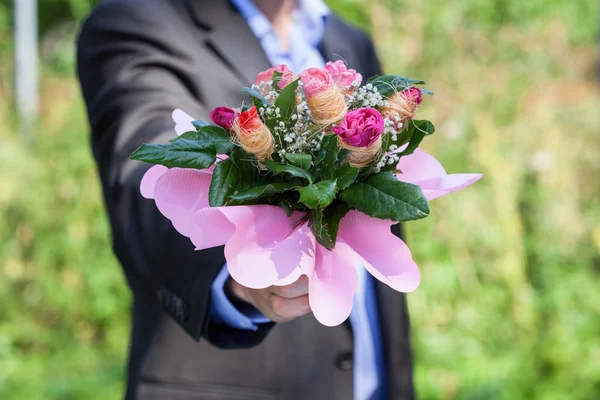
<point x="337" y="44"/>
<point x="230" y="37"/>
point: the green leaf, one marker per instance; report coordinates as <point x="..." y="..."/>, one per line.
<point x="199" y="123"/>
<point x="288" y="201"/>
<point x="299" y="160"/>
<point x="287" y="100"/>
<point x="325" y="224"/>
<point x="246" y="164"/>
<point x="220" y="137"/>
<point x="318" y="195"/>
<point x="225" y="180"/>
<point x="328" y="154"/>
<point x="424" y="126"/>
<point x="383" y="196"/>
<point x="256" y="95"/>
<point x="277" y="75"/>
<point x="316" y="222"/>
<point x="291" y="170"/>
<point x="216" y="135"/>
<point x="346" y="174"/>
<point x="343" y="153"/>
<point x="183" y="153"/>
<point x="389" y="84"/>
<point x="320" y="156"/>
<point x="250" y="195"/>
<point x="418" y="129"/>
<point x="333" y="215"/>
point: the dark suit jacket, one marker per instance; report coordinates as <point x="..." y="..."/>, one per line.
<point x="137" y="61"/>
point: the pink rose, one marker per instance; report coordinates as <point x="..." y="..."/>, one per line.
<point x="223" y="116"/>
<point x="286" y="78"/>
<point x="413" y="95"/>
<point x="315" y="81"/>
<point x="361" y="127"/>
<point x="342" y="76"/>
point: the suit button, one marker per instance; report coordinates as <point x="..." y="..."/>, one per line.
<point x="344" y="361"/>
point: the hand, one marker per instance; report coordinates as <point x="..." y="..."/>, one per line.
<point x="278" y="303"/>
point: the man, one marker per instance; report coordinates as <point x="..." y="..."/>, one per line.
<point x="137" y="61"/>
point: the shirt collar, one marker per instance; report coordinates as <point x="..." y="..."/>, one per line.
<point x="311" y="15"/>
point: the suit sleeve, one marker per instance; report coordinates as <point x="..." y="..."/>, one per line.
<point x="133" y="72"/>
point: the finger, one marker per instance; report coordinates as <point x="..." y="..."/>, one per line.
<point x="287" y="309"/>
<point x="296" y="289"/>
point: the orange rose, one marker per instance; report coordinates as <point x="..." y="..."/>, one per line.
<point x="249" y="121"/>
<point x="254" y="136"/>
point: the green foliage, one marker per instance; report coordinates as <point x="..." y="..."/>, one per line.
<point x="319" y="228"/>
<point x="299" y="160"/>
<point x="286" y="101"/>
<point x="288" y="201"/>
<point x="198" y="124"/>
<point x="197" y="149"/>
<point x="416" y="132"/>
<point x="64" y="313"/>
<point x="289" y="170"/>
<point x="325" y="223"/>
<point x="251" y="195"/>
<point x="332" y="216"/>
<point x="182" y="153"/>
<point x="246" y="165"/>
<point x="225" y="180"/>
<point x="277" y="75"/>
<point x="318" y="195"/>
<point x="257" y="97"/>
<point x="345" y="175"/>
<point x="384" y="196"/>
<point x="327" y="158"/>
<point x="219" y="137"/>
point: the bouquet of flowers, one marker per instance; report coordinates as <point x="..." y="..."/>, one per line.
<point x="306" y="179"/>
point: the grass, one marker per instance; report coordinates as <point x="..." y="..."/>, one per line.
<point x="509" y="305"/>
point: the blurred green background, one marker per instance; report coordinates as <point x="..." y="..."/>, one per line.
<point x="509" y="305"/>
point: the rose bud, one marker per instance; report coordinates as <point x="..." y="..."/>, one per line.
<point x="223" y="117"/>
<point x="342" y="76"/>
<point x="403" y="105"/>
<point x="360" y="132"/>
<point x="253" y="135"/>
<point x="249" y="121"/>
<point x="286" y="78"/>
<point x="413" y="95"/>
<point x="324" y="99"/>
<point x="315" y="81"/>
